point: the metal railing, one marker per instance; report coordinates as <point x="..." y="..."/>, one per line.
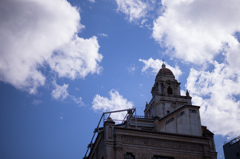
<point x="233" y="141"/>
<point x="103" y="118"/>
<point x="142" y="117"/>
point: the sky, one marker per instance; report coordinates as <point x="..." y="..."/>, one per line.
<point x="63" y="63"/>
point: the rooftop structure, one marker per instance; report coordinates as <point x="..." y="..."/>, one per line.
<point x="232" y="149"/>
<point x="170" y="128"/>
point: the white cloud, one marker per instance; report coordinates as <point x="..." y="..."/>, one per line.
<point x="156" y="65"/>
<point x="116" y="102"/>
<point x="134" y="9"/>
<point x="92" y="1"/>
<point x="217" y="93"/>
<point x="103" y="35"/>
<point x="77" y="58"/>
<point x="131" y="69"/>
<point x="197" y="30"/>
<point x="233" y="56"/>
<point x="60" y="92"/>
<point x="183" y="93"/>
<point x="78" y="100"/>
<point x="31" y="30"/>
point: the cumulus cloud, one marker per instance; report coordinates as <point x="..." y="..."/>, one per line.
<point x="156" y="65"/>
<point x="134" y="9"/>
<point x="217" y="92"/>
<point x="232" y="55"/>
<point x="78" y="100"/>
<point x="197" y="30"/>
<point x="39" y="32"/>
<point x="60" y="92"/>
<point x="77" y="58"/>
<point x="115" y="102"/>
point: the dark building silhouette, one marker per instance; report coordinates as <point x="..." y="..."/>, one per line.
<point x="232" y="149"/>
<point x="170" y="128"/>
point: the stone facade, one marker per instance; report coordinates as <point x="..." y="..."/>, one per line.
<point x="170" y="129"/>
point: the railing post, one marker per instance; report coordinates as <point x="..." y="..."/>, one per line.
<point x="136" y="118"/>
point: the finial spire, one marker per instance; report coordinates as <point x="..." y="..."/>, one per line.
<point x="163" y="65"/>
<point x="187" y="93"/>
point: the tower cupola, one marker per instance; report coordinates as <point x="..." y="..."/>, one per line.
<point x="166" y="96"/>
<point x="165" y="83"/>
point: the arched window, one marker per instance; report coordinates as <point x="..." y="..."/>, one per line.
<point x="129" y="156"/>
<point x="169" y="90"/>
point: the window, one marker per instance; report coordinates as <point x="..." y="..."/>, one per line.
<point x="192" y="111"/>
<point x="129" y="156"/>
<point x="180" y="114"/>
<point x="169" y="120"/>
<point x="161" y="157"/>
<point x="169" y="90"/>
<point x="168" y="111"/>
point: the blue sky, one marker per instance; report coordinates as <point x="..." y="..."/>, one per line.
<point x="62" y="63"/>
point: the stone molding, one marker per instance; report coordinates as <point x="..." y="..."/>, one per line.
<point x="139" y="141"/>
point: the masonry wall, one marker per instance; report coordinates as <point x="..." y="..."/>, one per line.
<point x="185" y="121"/>
<point x="115" y="142"/>
<point x="145" y="145"/>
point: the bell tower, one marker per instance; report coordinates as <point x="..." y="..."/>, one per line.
<point x="166" y="96"/>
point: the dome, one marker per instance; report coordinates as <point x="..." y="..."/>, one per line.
<point x="164" y="71"/>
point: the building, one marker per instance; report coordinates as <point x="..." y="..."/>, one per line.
<point x="170" y="129"/>
<point x="232" y="149"/>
